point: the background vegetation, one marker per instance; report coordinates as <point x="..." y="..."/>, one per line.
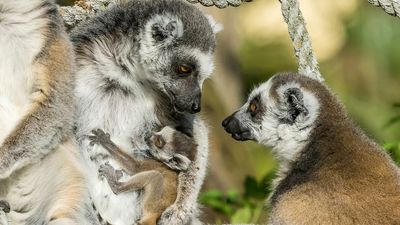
<point x="358" y="47"/>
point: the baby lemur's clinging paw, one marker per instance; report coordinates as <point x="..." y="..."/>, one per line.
<point x="99" y="137"/>
<point x="112" y="176"/>
<point x="4" y="206"/>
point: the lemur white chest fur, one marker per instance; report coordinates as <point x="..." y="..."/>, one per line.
<point x="119" y="115"/>
<point x="20" y="41"/>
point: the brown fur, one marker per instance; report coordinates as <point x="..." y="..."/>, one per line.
<point x="341" y="177"/>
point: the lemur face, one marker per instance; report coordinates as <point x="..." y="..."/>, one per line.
<point x="176" y="67"/>
<point x="172" y="147"/>
<point x="280" y="113"/>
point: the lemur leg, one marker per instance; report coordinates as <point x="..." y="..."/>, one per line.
<point x="185" y="208"/>
<point x="154" y="193"/>
<point x="149" y="219"/>
<point x="152" y="182"/>
<point x="50" y="117"/>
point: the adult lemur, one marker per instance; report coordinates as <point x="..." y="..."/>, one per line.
<point x="330" y="172"/>
<point x="38" y="176"/>
<point x="141" y="66"/>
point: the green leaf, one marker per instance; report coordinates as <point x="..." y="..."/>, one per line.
<point x="266" y="183"/>
<point x="216" y="200"/>
<point x="242" y="215"/>
<point x="253" y="189"/>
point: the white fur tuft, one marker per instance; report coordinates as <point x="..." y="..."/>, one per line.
<point x="216" y="27"/>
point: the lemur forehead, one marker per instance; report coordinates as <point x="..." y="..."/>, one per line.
<point x="262" y="90"/>
<point x="205" y="61"/>
<point x="167" y="132"/>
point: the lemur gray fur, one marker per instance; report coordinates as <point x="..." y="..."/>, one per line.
<point x="141" y="66"/>
<point x="330" y="171"/>
<point x="40" y="182"/>
<point x="172" y="151"/>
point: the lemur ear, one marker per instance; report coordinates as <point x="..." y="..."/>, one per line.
<point x="179" y="162"/>
<point x="161" y="32"/>
<point x="295" y="103"/>
<point x="216" y="27"/>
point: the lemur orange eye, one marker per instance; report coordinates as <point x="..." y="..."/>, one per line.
<point x="159" y="142"/>
<point x="253" y="108"/>
<point x="184" y="69"/>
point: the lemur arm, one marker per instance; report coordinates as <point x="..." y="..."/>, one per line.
<point x="128" y="163"/>
<point x="50" y="117"/>
<point x="190" y="181"/>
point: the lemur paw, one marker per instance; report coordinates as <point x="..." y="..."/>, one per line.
<point x="112" y="176"/>
<point x="4" y="209"/>
<point x="107" y="171"/>
<point x="4" y="206"/>
<point x="174" y="215"/>
<point x="99" y="137"/>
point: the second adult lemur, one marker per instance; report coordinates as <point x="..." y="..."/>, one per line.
<point x="141" y="67"/>
<point x="330" y="171"/>
<point x="172" y="151"/>
<point x="39" y="180"/>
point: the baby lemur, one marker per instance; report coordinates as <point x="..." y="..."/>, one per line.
<point x="172" y="150"/>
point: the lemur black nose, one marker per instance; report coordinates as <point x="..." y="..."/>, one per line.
<point x="196" y="106"/>
<point x="233" y="126"/>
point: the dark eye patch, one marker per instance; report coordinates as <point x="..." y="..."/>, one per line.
<point x="189" y="63"/>
<point x="257" y="112"/>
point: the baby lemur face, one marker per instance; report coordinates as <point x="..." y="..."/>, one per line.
<point x="173" y="148"/>
<point x="280" y="113"/>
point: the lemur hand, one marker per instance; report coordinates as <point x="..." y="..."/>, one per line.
<point x="112" y="176"/>
<point x="99" y="137"/>
<point x="174" y="215"/>
<point x="4" y="209"/>
<point x="4" y="206"/>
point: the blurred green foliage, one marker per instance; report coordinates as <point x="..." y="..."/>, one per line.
<point x="240" y="208"/>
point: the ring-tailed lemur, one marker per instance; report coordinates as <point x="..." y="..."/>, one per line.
<point x="330" y="171"/>
<point x="141" y="66"/>
<point x="39" y="177"/>
<point x="171" y="152"/>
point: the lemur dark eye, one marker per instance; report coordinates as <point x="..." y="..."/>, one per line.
<point x="184" y="70"/>
<point x="253" y="108"/>
<point x="159" y="142"/>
